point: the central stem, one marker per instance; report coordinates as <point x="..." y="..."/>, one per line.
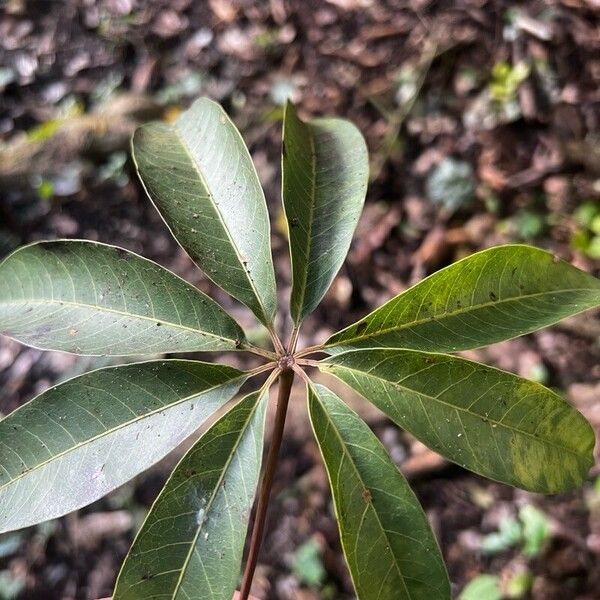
<point x="285" y="387"/>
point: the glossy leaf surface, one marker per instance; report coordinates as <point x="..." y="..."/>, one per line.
<point x="390" y="548"/>
<point x="489" y="421"/>
<point x="325" y="170"/>
<point x="89" y="298"/>
<point x="490" y="296"/>
<point x="85" y="437"/>
<point x="192" y="541"/>
<point x="199" y="174"/>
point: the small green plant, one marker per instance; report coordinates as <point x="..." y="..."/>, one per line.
<point x="586" y="237"/>
<point x="532" y="531"/>
<point x="85" y="437"/>
<point x="506" y="80"/>
<point x="482" y="587"/>
<point x="307" y="564"/>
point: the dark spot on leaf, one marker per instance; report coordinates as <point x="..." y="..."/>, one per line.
<point x="361" y="327"/>
<point x="493" y="297"/>
<point x="367" y="497"/>
<point x="159" y="324"/>
<point x="238" y="343"/>
<point x="294" y="222"/>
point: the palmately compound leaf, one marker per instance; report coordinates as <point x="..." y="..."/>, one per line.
<point x="192" y="541"/>
<point x="489" y="421"/>
<point x="325" y="170"/>
<point x="490" y="296"/>
<point x="89" y="298"/>
<point x="199" y="175"/>
<point x="85" y="437"/>
<point x="390" y="548"/>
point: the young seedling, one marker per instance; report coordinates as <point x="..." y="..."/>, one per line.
<point x="85" y="437"/>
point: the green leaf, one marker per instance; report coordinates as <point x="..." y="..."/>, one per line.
<point x="325" y="172"/>
<point x="83" y="438"/>
<point x="390" y="548"/>
<point x="308" y="564"/>
<point x="89" y="298"/>
<point x="536" y="529"/>
<point x="509" y="534"/>
<point x="519" y="584"/>
<point x="192" y="541"/>
<point x="490" y="296"/>
<point x="482" y="587"/>
<point x="489" y="421"/>
<point x="199" y="175"/>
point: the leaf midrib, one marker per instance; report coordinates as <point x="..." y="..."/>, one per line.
<point x="115" y="429"/>
<point x="117" y="312"/>
<point x="355" y="468"/>
<point x="217" y="487"/>
<point x="217" y="210"/>
<point x="332" y="366"/>
<point x="310" y="216"/>
<point x="439" y="317"/>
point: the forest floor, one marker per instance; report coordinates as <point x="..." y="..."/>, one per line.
<point x="482" y="119"/>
